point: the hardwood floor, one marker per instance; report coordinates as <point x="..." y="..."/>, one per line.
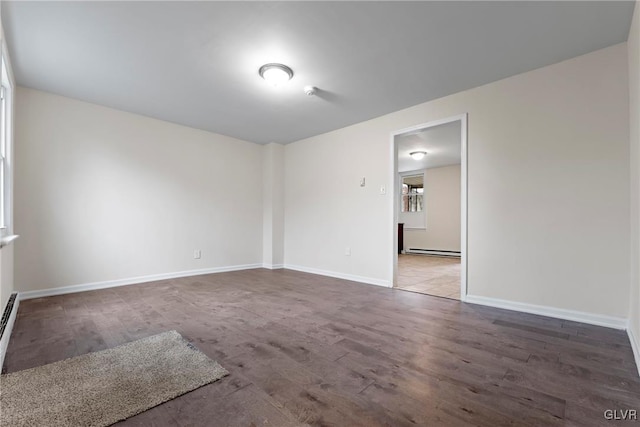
<point x="431" y="275"/>
<point x="307" y="349"/>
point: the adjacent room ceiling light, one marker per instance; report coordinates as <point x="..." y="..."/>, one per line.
<point x="418" y="155"/>
<point x="276" y="74"/>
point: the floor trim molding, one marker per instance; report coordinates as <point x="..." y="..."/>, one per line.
<point x="272" y="266"/>
<point x="6" y="334"/>
<point x="352" y="277"/>
<point x="130" y="281"/>
<point x="635" y="346"/>
<point x="559" y="313"/>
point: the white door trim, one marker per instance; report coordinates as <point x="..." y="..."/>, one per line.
<point x="394" y="204"/>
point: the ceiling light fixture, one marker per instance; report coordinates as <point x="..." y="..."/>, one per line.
<point x="418" y="155"/>
<point x="276" y="74"/>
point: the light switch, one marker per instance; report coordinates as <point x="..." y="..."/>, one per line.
<point x="383" y="190"/>
<point x="362" y="182"/>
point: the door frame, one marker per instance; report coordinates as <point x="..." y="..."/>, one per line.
<point x="395" y="203"/>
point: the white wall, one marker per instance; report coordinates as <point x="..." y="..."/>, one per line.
<point x="102" y="195"/>
<point x="548" y="188"/>
<point x="442" y="205"/>
<point x="633" y="46"/>
<point x="327" y="210"/>
<point x="6" y="275"/>
<point x="273" y="206"/>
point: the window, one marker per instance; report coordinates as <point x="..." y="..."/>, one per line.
<point x="5" y="147"/>
<point x="412" y="193"/>
<point x="3" y="155"/>
<point x="412" y="203"/>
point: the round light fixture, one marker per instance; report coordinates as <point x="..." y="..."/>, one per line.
<point x="276" y="74"/>
<point x="418" y="155"/>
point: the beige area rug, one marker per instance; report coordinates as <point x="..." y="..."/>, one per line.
<point x="99" y="389"/>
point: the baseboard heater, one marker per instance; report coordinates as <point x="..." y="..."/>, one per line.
<point x="6" y="324"/>
<point x="433" y="252"/>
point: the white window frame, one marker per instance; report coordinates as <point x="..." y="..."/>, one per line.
<point x="6" y="144"/>
<point x="418" y="195"/>
<point x="419" y="219"/>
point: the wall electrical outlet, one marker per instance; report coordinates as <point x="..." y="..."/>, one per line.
<point x="197" y="254"/>
<point x="347" y="251"/>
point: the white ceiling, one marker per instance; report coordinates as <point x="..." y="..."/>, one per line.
<point x="196" y="63"/>
<point x="442" y="144"/>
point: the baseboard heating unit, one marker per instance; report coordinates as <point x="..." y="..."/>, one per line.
<point x="433" y="252"/>
<point x="6" y="324"/>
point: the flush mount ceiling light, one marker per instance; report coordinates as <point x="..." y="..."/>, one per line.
<point x="276" y="74"/>
<point x="418" y="155"/>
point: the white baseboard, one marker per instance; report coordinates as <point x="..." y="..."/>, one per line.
<point x="6" y="335"/>
<point x="559" y="313"/>
<point x="353" y="278"/>
<point x="130" y="281"/>
<point x="272" y="266"/>
<point x="635" y="346"/>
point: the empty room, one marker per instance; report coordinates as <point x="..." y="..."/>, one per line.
<point x="319" y="213"/>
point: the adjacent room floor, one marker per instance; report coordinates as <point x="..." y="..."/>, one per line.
<point x="431" y="275"/>
<point x="308" y="349"/>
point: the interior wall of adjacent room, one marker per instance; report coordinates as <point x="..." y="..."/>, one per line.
<point x="633" y="47"/>
<point x="548" y="188"/>
<point x="102" y="195"/>
<point x="442" y="210"/>
<point x="6" y="253"/>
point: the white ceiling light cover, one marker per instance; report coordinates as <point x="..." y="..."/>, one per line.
<point x="276" y="74"/>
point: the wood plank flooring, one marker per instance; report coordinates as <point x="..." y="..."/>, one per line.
<point x="306" y="349"/>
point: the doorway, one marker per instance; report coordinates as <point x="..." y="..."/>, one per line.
<point x="430" y="208"/>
